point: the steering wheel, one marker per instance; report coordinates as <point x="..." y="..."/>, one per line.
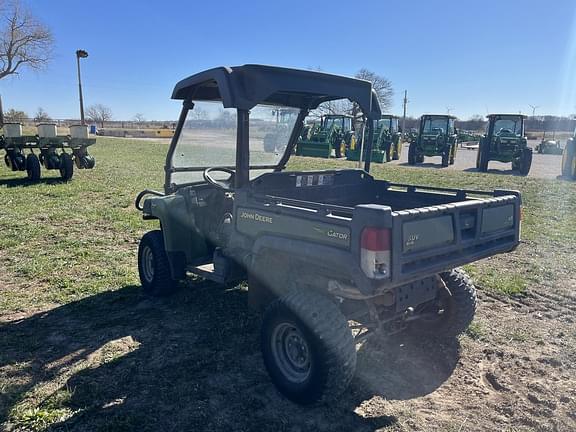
<point x="227" y="184"/>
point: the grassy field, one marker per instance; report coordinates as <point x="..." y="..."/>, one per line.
<point x="83" y="350"/>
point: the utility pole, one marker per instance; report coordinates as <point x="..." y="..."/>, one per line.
<point x="405" y="103"/>
<point x="448" y="109"/>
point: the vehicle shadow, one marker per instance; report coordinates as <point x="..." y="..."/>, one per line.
<point x="495" y="171"/>
<point x="23" y="182"/>
<point x="423" y="165"/>
<point x="121" y="361"/>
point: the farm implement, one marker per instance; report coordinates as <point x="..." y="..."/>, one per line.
<point x="48" y="149"/>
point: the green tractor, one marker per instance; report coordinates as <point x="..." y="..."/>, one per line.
<point x="386" y="144"/>
<point x="504" y="141"/>
<point x="569" y="158"/>
<point x="333" y="133"/>
<point x="436" y="137"/>
<point x="549" y="146"/>
<point x="274" y="141"/>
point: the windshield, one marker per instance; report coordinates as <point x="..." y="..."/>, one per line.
<point x="208" y="139"/>
<point x="344" y="123"/>
<point x="508" y="126"/>
<point x="435" y="125"/>
<point x="383" y="123"/>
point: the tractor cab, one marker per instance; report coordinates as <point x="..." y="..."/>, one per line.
<point x="436" y="137"/>
<point x="385" y="143"/>
<point x="333" y="136"/>
<point x="504" y="141"/>
<point x="279" y="129"/>
<point x="337" y="121"/>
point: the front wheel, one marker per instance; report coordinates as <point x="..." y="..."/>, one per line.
<point x="66" y="167"/>
<point x="33" y="167"/>
<point x="453" y="154"/>
<point x="446" y="157"/>
<point x="308" y="348"/>
<point x="525" y="162"/>
<point x="454" y="308"/>
<point x="154" y="266"/>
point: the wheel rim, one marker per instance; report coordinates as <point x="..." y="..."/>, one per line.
<point x="147" y="264"/>
<point x="291" y="352"/>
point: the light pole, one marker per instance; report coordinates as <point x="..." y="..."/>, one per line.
<point x="80" y="54"/>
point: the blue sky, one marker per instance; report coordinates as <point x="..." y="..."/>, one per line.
<point x="471" y="56"/>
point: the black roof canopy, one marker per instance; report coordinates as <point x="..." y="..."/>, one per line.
<point x="506" y="115"/>
<point x="247" y="86"/>
<point x="447" y="116"/>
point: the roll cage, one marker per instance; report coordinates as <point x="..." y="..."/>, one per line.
<point x="244" y="87"/>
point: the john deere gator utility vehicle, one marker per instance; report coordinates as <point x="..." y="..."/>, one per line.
<point x="334" y="133"/>
<point x="436" y="137"/>
<point x="331" y="257"/>
<point x="386" y="144"/>
<point x="504" y="141"/>
<point x="569" y="158"/>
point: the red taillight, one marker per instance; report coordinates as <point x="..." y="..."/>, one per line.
<point x="375" y="239"/>
<point x="375" y="252"/>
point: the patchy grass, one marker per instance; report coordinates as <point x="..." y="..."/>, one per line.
<point x="475" y="331"/>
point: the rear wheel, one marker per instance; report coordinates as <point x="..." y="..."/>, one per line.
<point x="66" y="167"/>
<point x="454" y="308"/>
<point x="412" y="154"/>
<point x="154" y="267"/>
<point x="525" y="161"/>
<point x="308" y="348"/>
<point x="482" y="158"/>
<point x="33" y="167"/>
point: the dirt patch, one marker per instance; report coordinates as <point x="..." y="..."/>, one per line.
<point x="193" y="361"/>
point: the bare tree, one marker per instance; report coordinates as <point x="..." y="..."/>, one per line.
<point x="15" y="116"/>
<point x="380" y="84"/>
<point x="24" y="41"/>
<point x="99" y="113"/>
<point x="41" y="116"/>
<point x="139" y="118"/>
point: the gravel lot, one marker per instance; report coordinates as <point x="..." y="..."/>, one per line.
<point x="543" y="166"/>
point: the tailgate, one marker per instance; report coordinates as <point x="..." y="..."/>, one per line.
<point x="433" y="239"/>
